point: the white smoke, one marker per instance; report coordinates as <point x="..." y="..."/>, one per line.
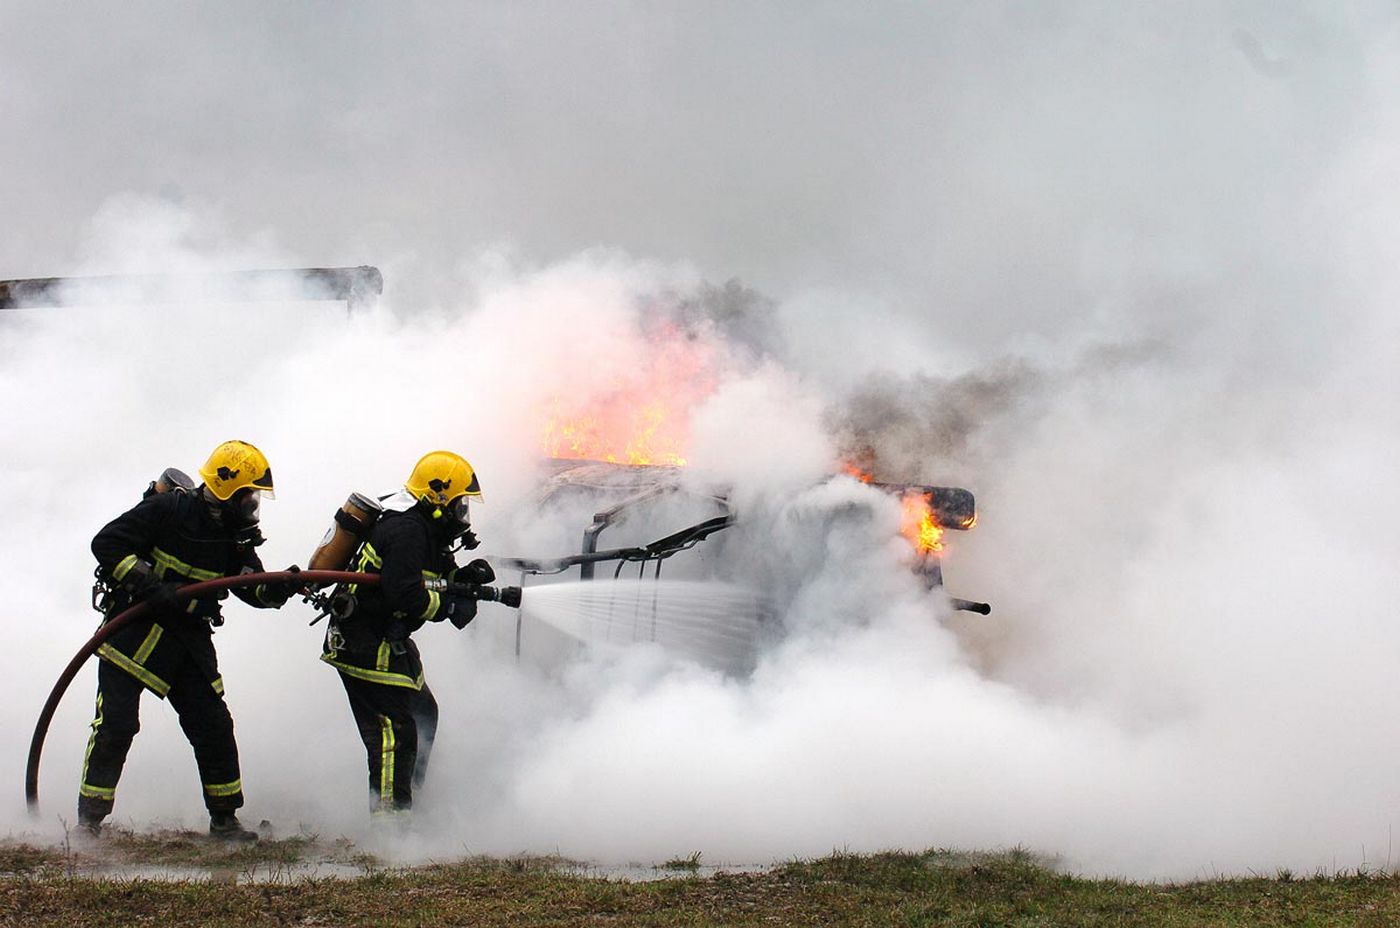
<point x="1138" y="276"/>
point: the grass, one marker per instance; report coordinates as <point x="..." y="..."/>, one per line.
<point x="930" y="888"/>
<point x="691" y="863"/>
<point x="180" y="851"/>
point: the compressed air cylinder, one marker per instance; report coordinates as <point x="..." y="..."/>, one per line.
<point x="172" y="478"/>
<point x="352" y="524"/>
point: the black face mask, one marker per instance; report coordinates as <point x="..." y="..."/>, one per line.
<point x="458" y="517"/>
<point x="239" y="511"/>
<point x="458" y="511"/>
<point x="448" y="521"/>
<point x="244" y="507"/>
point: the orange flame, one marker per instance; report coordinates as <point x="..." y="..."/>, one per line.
<point x="644" y="435"/>
<point x="643" y="415"/>
<point x="852" y="471"/>
<point x="918" y="524"/>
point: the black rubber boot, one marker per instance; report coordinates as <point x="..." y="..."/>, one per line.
<point x="225" y="826"/>
<point x="89" y="825"/>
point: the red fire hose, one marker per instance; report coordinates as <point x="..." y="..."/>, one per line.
<point x="108" y="629"/>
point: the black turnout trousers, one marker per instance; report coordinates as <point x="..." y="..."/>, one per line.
<point x="204" y="718"/>
<point x="397" y="725"/>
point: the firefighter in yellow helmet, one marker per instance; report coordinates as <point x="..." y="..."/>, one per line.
<point x="379" y="664"/>
<point x="182" y="535"/>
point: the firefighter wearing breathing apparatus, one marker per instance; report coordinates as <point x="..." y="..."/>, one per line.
<point x="177" y="534"/>
<point x="410" y="547"/>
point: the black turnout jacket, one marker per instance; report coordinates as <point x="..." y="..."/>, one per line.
<point x="373" y="642"/>
<point x="176" y="534"/>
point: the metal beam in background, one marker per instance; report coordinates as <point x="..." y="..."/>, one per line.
<point x="360" y="287"/>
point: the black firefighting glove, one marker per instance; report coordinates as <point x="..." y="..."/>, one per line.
<point x="161" y="596"/>
<point x="139" y="579"/>
<point x="459" y="610"/>
<point x="209" y="608"/>
<point x="276" y="593"/>
<point x="477" y="571"/>
<point x="143" y="584"/>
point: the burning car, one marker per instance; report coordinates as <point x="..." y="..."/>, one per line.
<point x="634" y="520"/>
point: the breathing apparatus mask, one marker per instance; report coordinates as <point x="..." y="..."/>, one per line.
<point x="459" y="512"/>
<point x="245" y="506"/>
<point x="452" y="522"/>
<point x="459" y="518"/>
<point x="238" y="514"/>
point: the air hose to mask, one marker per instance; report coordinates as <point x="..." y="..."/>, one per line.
<point x="138" y="611"/>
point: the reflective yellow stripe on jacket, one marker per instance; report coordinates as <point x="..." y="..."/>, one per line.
<point x="167" y="563"/>
<point x="368" y="558"/>
<point x="373" y="676"/>
<point x="434" y="599"/>
<point x="124" y="567"/>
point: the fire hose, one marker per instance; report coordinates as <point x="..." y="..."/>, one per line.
<point x="306" y="578"/>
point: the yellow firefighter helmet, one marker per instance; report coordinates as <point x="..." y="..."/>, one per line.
<point x="440" y="477"/>
<point x="235" y="465"/>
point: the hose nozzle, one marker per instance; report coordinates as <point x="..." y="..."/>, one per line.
<point x="505" y="595"/>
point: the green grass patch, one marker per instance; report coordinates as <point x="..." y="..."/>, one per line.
<point x="931" y="888"/>
<point x="27" y="860"/>
<point x="690" y="862"/>
<point x="178" y="848"/>
<point x="171" y="851"/>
